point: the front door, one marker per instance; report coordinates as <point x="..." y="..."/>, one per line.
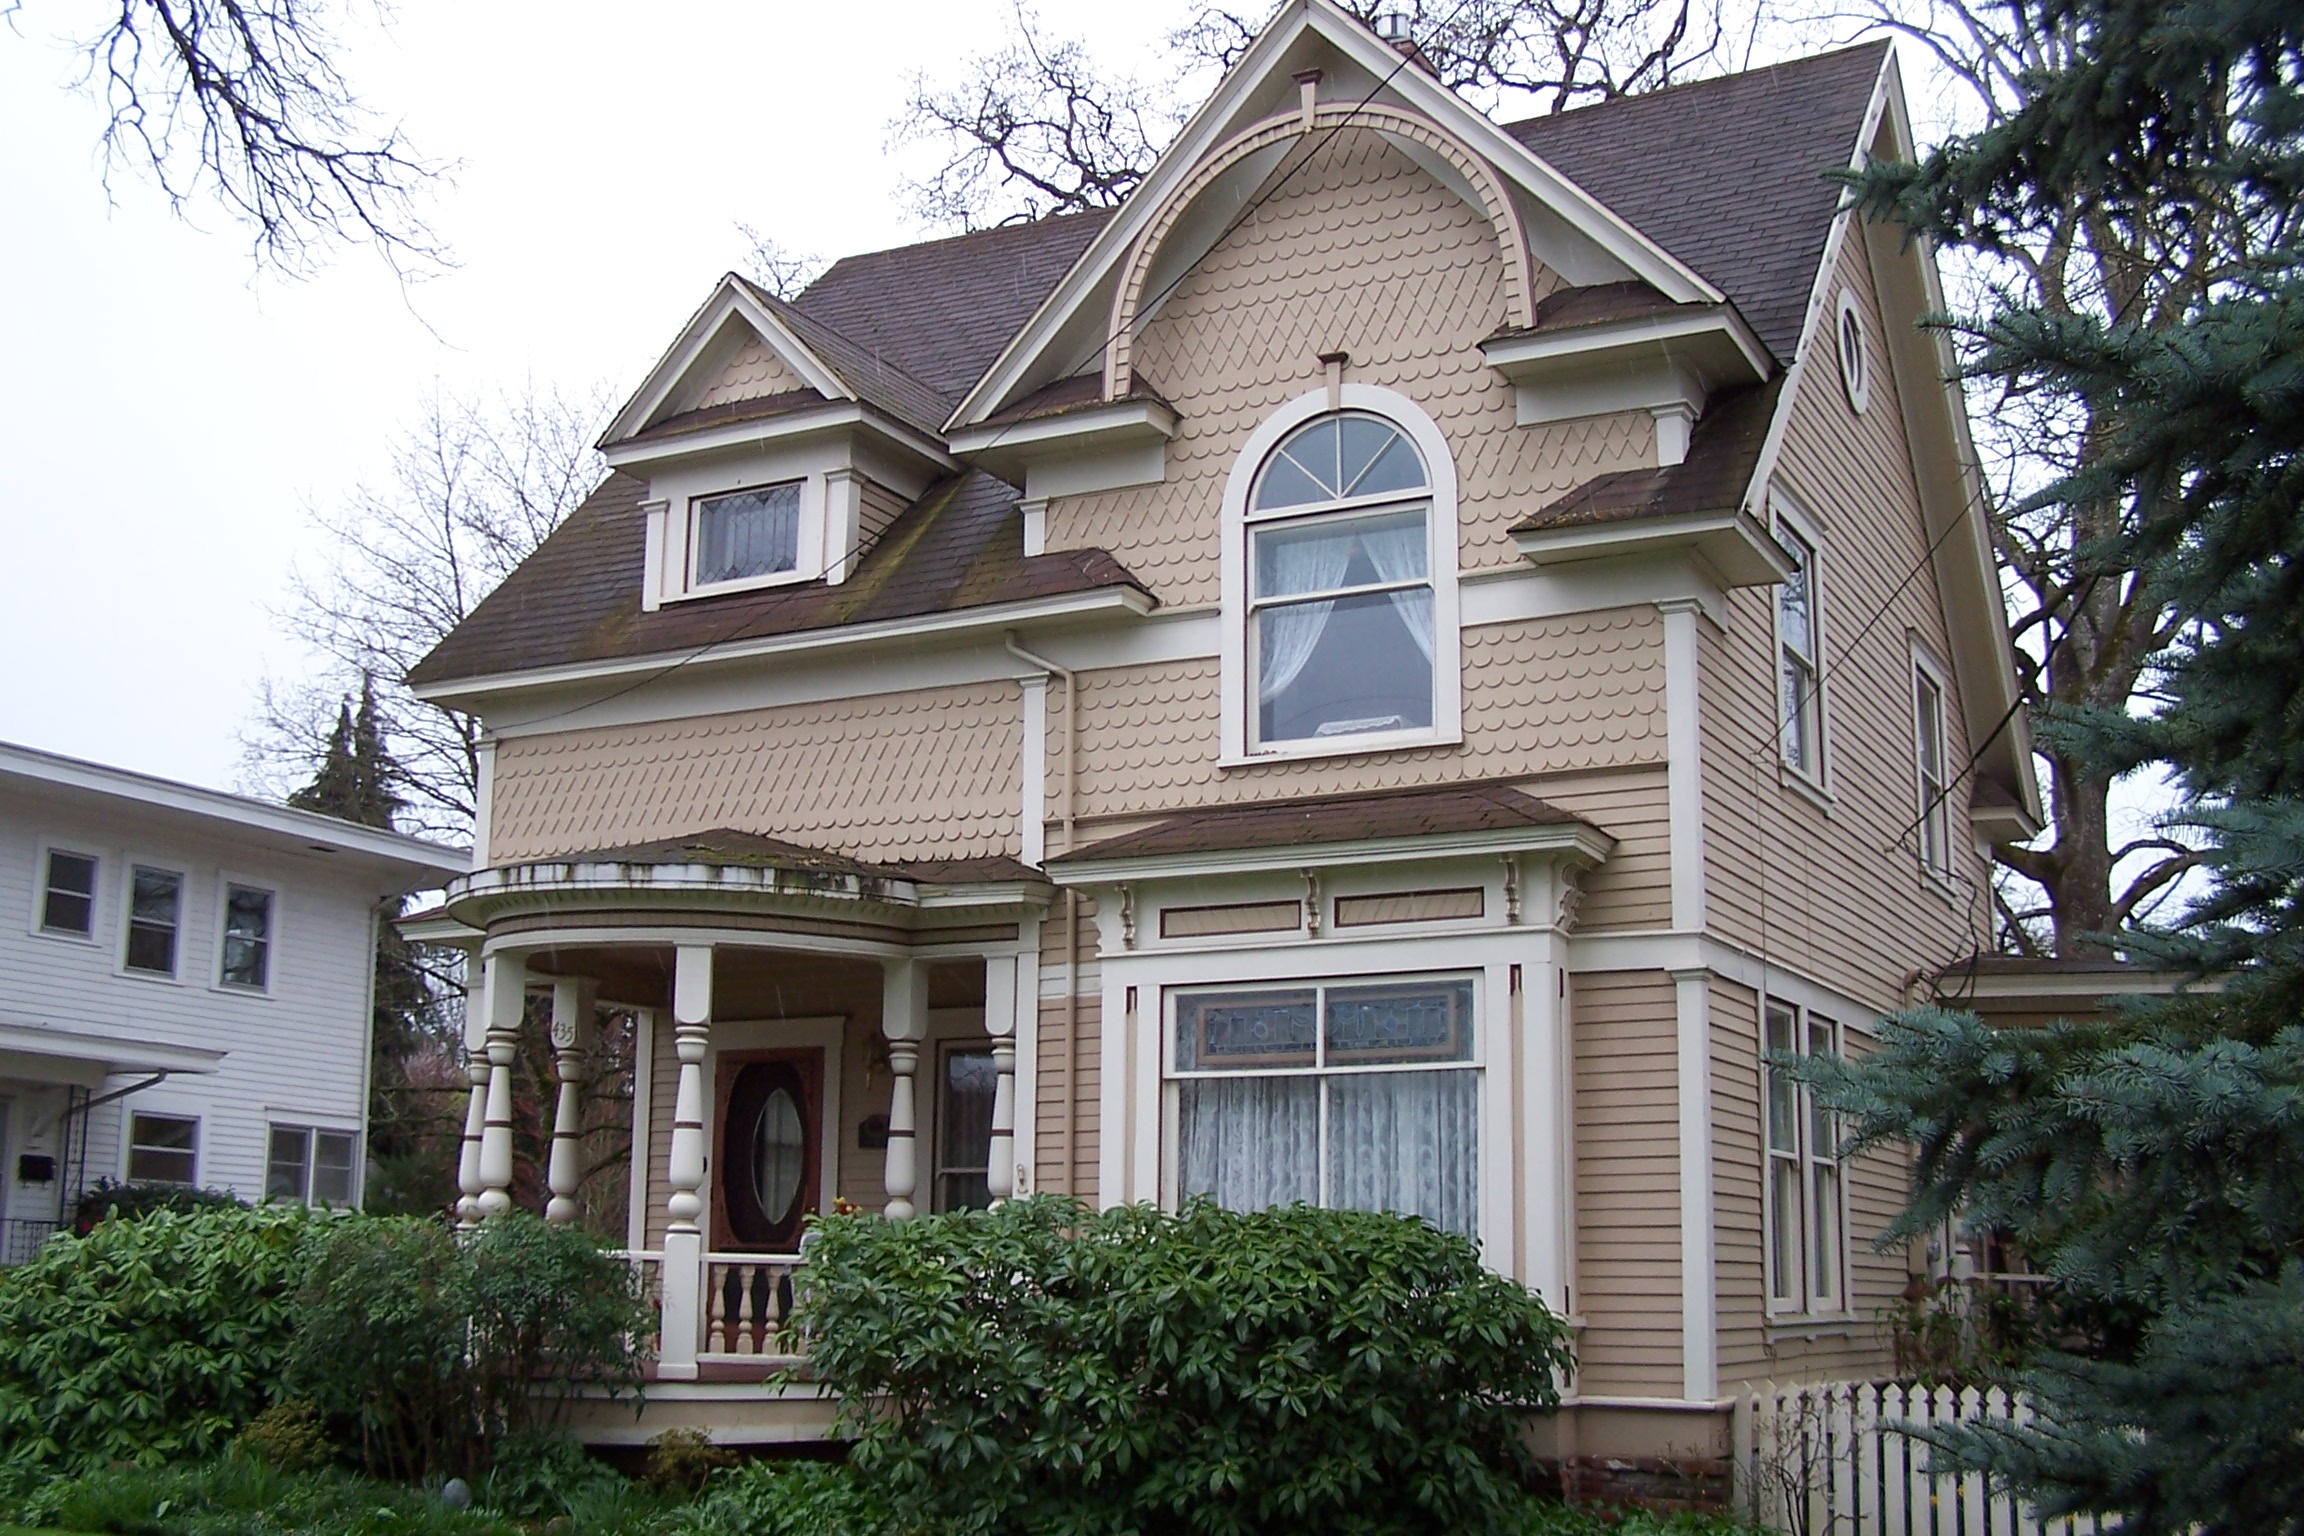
<point x="771" y="1149"/>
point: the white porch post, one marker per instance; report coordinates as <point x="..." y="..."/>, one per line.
<point x="571" y="1044"/>
<point x="506" y="979"/>
<point x="904" y="1020"/>
<point x="683" y="1239"/>
<point x="1000" y="1023"/>
<point x="476" y="1109"/>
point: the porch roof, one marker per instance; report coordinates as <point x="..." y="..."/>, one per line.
<point x="43" y="1053"/>
<point x="1426" y="820"/>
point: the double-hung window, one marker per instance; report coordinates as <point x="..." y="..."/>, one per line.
<point x="747" y="535"/>
<point x="1807" y="1241"/>
<point x="155" y="915"/>
<point x="310" y="1167"/>
<point x="68" y="894"/>
<point x="163" y="1149"/>
<point x="1799" y="644"/>
<point x="964" y="1129"/>
<point x="1358" y="1094"/>
<point x="1935" y="824"/>
<point x="1340" y="611"/>
<point x="247" y="958"/>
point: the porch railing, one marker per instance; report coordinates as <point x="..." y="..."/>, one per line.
<point x="22" y="1237"/>
<point x="743" y="1309"/>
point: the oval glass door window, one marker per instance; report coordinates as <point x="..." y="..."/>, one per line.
<point x="779" y="1156"/>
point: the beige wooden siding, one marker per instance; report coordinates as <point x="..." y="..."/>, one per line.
<point x="1054" y="1172"/>
<point x="878" y="507"/>
<point x="754" y="371"/>
<point x="1627" y="1183"/>
<point x="1364" y="252"/>
<point x="923" y="775"/>
<point x="1838" y="893"/>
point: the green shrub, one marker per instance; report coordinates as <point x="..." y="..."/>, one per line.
<point x="146" y="1341"/>
<point x="541" y="1473"/>
<point x="787" y="1498"/>
<point x="287" y="1437"/>
<point x="1041" y="1366"/>
<point x="236" y="1495"/>
<point x="125" y="1202"/>
<point x="424" y="1349"/>
<point x="682" y="1460"/>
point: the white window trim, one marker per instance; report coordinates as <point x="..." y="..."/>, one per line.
<point x="808" y="554"/>
<point x="1803" y="1308"/>
<point x="1816" y="783"/>
<point x="130" y="1109"/>
<point x="1856" y="380"/>
<point x="1925" y="664"/>
<point x="1440" y="529"/>
<point x="225" y="881"/>
<point x="312" y="1131"/>
<point x="39" y="915"/>
<point x="127" y="904"/>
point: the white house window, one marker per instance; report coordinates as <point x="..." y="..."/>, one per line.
<point x="1340" y="584"/>
<point x="163" y="1149"/>
<point x="310" y="1167"/>
<point x="155" y="913"/>
<point x="1361" y="1095"/>
<point x="247" y="960"/>
<point x="1799" y="630"/>
<point x="1855" y="361"/>
<point x="747" y="534"/>
<point x="1807" y="1240"/>
<point x="1935" y="825"/>
<point x="68" y="897"/>
<point x="964" y="1130"/>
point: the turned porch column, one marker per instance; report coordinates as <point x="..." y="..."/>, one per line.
<point x="572" y="1002"/>
<point x="506" y="980"/>
<point x="476" y="1109"/>
<point x="1000" y="1024"/>
<point x="904" y="1021"/>
<point x="683" y="1238"/>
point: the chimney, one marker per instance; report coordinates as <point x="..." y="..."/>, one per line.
<point x="1398" y="28"/>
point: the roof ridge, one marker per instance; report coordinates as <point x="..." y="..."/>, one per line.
<point x="1682" y="87"/>
<point x="785" y="309"/>
<point x="966" y="234"/>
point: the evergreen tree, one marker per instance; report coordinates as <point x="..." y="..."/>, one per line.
<point x="409" y="1168"/>
<point x="2154" y="1163"/>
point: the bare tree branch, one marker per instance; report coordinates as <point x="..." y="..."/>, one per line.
<point x="243" y="103"/>
<point x="781" y="271"/>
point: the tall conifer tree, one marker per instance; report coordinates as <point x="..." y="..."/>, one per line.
<point x="2154" y="1163"/>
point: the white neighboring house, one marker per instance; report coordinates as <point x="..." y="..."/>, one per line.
<point x="185" y="984"/>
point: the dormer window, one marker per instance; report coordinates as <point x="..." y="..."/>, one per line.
<point x="747" y="535"/>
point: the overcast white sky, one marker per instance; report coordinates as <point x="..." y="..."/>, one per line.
<point x="166" y="417"/>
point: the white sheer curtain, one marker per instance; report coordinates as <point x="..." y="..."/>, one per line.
<point x="1288" y="635"/>
<point x="1407" y="1142"/>
<point x="1250" y="1142"/>
<point x="1397" y="550"/>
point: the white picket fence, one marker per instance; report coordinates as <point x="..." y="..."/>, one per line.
<point x="1827" y="1459"/>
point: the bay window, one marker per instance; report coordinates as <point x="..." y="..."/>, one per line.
<point x="1358" y="1094"/>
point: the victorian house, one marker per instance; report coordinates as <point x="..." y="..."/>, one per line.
<point x="1387" y="671"/>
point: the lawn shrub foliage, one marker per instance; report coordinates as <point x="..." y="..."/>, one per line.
<point x="424" y="1350"/>
<point x="1045" y="1367"/>
<point x="146" y="1341"/>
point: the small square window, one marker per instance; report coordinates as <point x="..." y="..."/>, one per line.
<point x="247" y="937"/>
<point x="748" y="534"/>
<point x="155" y="912"/>
<point x="68" y="902"/>
<point x="333" y="1158"/>
<point x="309" y="1167"/>
<point x="163" y="1149"/>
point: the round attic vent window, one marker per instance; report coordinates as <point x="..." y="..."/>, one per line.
<point x="1855" y="358"/>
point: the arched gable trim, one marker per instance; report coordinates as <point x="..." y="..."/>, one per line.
<point x="1496" y="204"/>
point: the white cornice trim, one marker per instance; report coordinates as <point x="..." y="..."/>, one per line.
<point x="113" y="1052"/>
<point x="1221" y="114"/>
<point x="306" y="827"/>
<point x="727" y="299"/>
<point x="1722" y="335"/>
<point x="1114" y="421"/>
<point x="1103" y="602"/>
<point x="831" y="416"/>
<point x="1568" y="839"/>
<point x="1733" y="544"/>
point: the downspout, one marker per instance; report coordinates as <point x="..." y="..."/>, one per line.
<point x="1071" y="913"/>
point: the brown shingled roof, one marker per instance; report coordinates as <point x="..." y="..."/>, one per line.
<point x="1423" y="811"/>
<point x="1728" y="174"/>
<point x="730" y="847"/>
<point x="1723" y="451"/>
<point x="577" y="598"/>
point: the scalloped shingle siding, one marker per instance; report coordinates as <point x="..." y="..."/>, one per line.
<point x="754" y="371"/>
<point x="925" y="775"/>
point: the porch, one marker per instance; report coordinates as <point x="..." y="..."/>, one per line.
<point x="807" y="1031"/>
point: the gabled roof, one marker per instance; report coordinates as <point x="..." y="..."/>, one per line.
<point x="576" y="600"/>
<point x="1729" y="175"/>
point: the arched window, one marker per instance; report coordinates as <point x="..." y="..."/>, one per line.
<point x="1340" y="623"/>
